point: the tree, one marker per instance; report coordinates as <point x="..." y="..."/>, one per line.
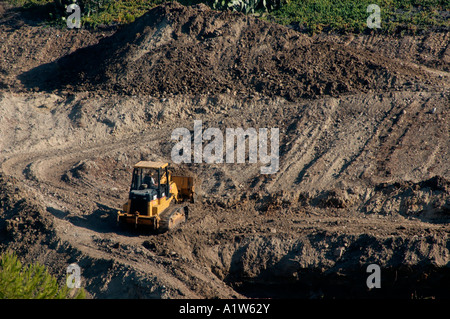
<point x="32" y="281"/>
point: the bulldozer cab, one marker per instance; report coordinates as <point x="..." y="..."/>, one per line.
<point x="150" y="178"/>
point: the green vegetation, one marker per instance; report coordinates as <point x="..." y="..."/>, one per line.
<point x="246" y="6"/>
<point x="350" y="15"/>
<point x="31" y="282"/>
<point x="111" y="11"/>
<point x="311" y="15"/>
<point x="318" y="14"/>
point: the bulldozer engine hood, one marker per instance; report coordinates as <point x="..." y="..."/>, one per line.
<point x="148" y="194"/>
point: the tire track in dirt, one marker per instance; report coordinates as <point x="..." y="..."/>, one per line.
<point x="322" y="154"/>
<point x="316" y="153"/>
<point x="303" y="153"/>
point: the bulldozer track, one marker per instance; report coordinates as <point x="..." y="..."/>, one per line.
<point x="172" y="217"/>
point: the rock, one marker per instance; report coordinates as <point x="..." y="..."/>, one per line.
<point x="338" y="252"/>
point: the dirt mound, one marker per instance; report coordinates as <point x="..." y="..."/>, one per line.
<point x="21" y="219"/>
<point x="175" y="49"/>
<point x="427" y="200"/>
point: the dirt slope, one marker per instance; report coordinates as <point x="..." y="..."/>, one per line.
<point x="177" y="50"/>
<point x="245" y="226"/>
<point x="364" y="172"/>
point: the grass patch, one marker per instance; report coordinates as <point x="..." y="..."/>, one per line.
<point x="351" y="16"/>
<point x="119" y="12"/>
<point x="315" y="15"/>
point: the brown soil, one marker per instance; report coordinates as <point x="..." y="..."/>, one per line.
<point x="364" y="156"/>
<point x="193" y="50"/>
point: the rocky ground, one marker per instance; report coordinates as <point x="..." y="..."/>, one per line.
<point x="364" y="171"/>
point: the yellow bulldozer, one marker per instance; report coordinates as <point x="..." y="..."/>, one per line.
<point x="156" y="198"/>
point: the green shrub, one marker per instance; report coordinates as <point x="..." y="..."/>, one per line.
<point x="31" y="281"/>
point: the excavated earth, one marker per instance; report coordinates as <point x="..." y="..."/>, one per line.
<point x="364" y="165"/>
